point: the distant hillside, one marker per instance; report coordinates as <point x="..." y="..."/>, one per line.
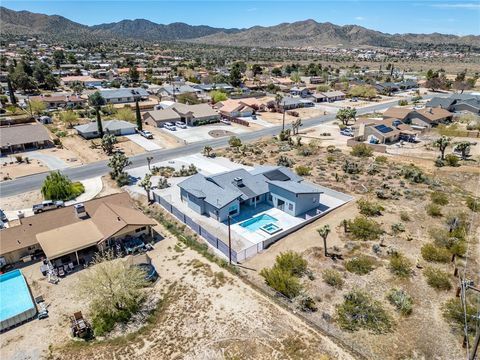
<point x="308" y="33"/>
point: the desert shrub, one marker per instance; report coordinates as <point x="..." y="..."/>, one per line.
<point x="351" y="167"/>
<point x="59" y="187"/>
<point x="401" y="300"/>
<point x="473" y="204"/>
<point x="359" y="311"/>
<point x="303" y="170"/>
<point x="331" y="159"/>
<point x="433" y="253"/>
<point x="437" y="279"/>
<point x="292" y="262"/>
<point x="285" y="161"/>
<point x="439" y="198"/>
<point x="452" y="160"/>
<point x="333" y="278"/>
<point x="381" y="159"/>
<point x="414" y="174"/>
<point x="452" y="311"/>
<point x="362" y="228"/>
<point x="400" y="265"/>
<point x="369" y="208"/>
<point x="404" y="216"/>
<point x="19" y="159"/>
<point x="282" y="281"/>
<point x="360" y="265"/>
<point x="305" y="302"/>
<point x="433" y="210"/>
<point x="402" y="102"/>
<point x="398" y="227"/>
<point x="331" y="148"/>
<point x="361" y="150"/>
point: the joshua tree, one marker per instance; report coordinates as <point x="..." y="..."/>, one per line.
<point x="118" y="162"/>
<point x="97" y="101"/>
<point x="108" y="143"/>
<point x="296" y="126"/>
<point x="207" y="150"/>
<point x="441" y="144"/>
<point x="464" y="148"/>
<point x="323" y="232"/>
<point x="345" y="114"/>
<point x="235" y="143"/>
<point x="146" y="184"/>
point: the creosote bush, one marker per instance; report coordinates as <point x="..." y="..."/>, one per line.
<point x="369" y="208"/>
<point x="433" y="210"/>
<point x="303" y="170"/>
<point x="439" y="198"/>
<point x="452" y="311"/>
<point x="433" y="253"/>
<point x="359" y="311"/>
<point x="400" y="265"/>
<point x="437" y="278"/>
<point x="360" y="265"/>
<point x="362" y="228"/>
<point x="361" y="150"/>
<point x="473" y="204"/>
<point x="401" y="300"/>
<point x="333" y="278"/>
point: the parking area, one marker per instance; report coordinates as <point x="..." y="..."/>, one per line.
<point x="148" y="145"/>
<point x="206" y="132"/>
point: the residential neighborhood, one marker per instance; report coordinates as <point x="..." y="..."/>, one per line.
<point x="303" y="190"/>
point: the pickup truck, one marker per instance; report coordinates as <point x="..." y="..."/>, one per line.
<point x="47" y="205"/>
<point x="146" y="134"/>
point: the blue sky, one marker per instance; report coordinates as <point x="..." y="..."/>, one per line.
<point x="401" y="16"/>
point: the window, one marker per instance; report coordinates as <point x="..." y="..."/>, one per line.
<point x="232" y="210"/>
<point x="141" y="229"/>
<point x="257" y="198"/>
<point x="290" y="206"/>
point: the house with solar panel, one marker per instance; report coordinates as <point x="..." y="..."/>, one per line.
<point x="386" y="131"/>
<point x="229" y="193"/>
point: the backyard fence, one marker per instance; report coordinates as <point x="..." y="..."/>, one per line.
<point x="198" y="229"/>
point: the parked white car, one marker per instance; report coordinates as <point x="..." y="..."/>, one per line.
<point x="181" y="125"/>
<point x="169" y="126"/>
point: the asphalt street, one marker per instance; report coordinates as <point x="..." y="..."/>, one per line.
<point x="99" y="168"/>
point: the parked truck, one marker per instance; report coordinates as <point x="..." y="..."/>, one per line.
<point x="47" y="205"/>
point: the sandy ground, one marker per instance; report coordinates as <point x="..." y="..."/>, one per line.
<point x="209" y="314"/>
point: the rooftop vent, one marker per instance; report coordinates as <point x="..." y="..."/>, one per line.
<point x="80" y="211"/>
<point x="238" y="181"/>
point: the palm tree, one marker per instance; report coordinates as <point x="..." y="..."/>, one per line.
<point x="441" y="144"/>
<point x="323" y="232"/>
<point x="97" y="101"/>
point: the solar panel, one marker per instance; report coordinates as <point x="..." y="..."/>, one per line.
<point x="383" y="129"/>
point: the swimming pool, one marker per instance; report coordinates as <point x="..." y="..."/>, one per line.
<point x="257" y="222"/>
<point x="16" y="303"/>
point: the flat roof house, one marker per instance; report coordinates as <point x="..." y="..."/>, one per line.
<point x="114" y="127"/>
<point x="84" y="80"/>
<point x="22" y="137"/>
<point x="225" y="194"/>
<point x="68" y="231"/>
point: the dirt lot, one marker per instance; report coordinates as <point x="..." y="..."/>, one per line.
<point x="206" y="313"/>
<point x="424" y="334"/>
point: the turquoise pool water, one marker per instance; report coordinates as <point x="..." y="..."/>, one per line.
<point x="257" y="222"/>
<point x="15" y="297"/>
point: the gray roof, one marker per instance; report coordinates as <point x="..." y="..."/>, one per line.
<point x="23" y="134"/>
<point x="178" y="89"/>
<point x="163" y="115"/>
<point x="198" y="110"/>
<point x="444" y="103"/>
<point x="295" y="187"/>
<point x="123" y="93"/>
<point x="110" y="125"/>
<point x="221" y="189"/>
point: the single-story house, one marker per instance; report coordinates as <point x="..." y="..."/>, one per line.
<point x="84" y="80"/>
<point x="125" y="95"/>
<point x="209" y="87"/>
<point x="22" y="137"/>
<point x="386" y="131"/>
<point x="429" y="117"/>
<point x="469" y="105"/>
<point x="312" y="80"/>
<point x="56" y="101"/>
<point x="300" y="91"/>
<point x="225" y="194"/>
<point x="235" y="108"/>
<point x="171" y="91"/>
<point x="190" y="114"/>
<point x="289" y="102"/>
<point x="114" y="127"/>
<point x="395" y="112"/>
<point x="457" y="103"/>
<point x="68" y="232"/>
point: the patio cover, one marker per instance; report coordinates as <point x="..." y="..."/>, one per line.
<point x="68" y="239"/>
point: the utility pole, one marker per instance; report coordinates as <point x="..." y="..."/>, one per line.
<point x="464" y="286"/>
<point x="473" y="355"/>
<point x="283" y="120"/>
<point x="229" y="241"/>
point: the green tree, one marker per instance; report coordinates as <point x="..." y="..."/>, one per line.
<point x="323" y="232"/>
<point x="59" y="187"/>
<point x="69" y="117"/>
<point x="108" y="143"/>
<point x="36" y="107"/>
<point x="11" y="91"/>
<point x="97" y="101"/>
<point x="295" y="77"/>
<point x="138" y="116"/>
<point x="118" y="162"/>
<point x="345" y="115"/>
<point x="58" y="58"/>
<point x="125" y="114"/>
<point x="442" y="144"/>
<point x="464" y="148"/>
<point x="236" y="72"/>
<point x="133" y="74"/>
<point x="235" y="143"/>
<point x="217" y="96"/>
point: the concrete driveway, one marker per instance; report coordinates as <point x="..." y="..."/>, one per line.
<point x="148" y="145"/>
<point x="52" y="162"/>
<point x="201" y="133"/>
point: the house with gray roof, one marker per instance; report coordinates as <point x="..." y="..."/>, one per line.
<point x="23" y="137"/>
<point x="226" y="194"/>
<point x="114" y="127"/>
<point x="124" y="95"/>
<point x="457" y="103"/>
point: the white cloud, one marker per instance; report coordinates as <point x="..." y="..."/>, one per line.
<point x="359" y="18"/>
<point x="471" y="6"/>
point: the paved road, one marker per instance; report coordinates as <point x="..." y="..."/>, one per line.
<point x="99" y="168"/>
